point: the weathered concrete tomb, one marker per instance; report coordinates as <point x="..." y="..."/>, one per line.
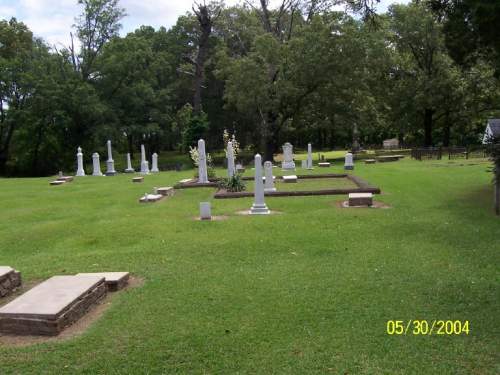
<point x="370" y="161"/>
<point x="114" y="280"/>
<point x="324" y="164"/>
<point x="138" y="179"/>
<point x="52" y="305"/>
<point x="57" y="182"/>
<point x="165" y="191"/>
<point x="10" y="279"/>
<point x="290" y="178"/>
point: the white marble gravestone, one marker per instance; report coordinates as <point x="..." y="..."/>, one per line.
<point x="96" y="164"/>
<point x="304" y="164"/>
<point x="269" y="181"/>
<point x="259" y="207"/>
<point x="309" y="157"/>
<point x="154" y="164"/>
<point x="202" y="163"/>
<point x="288" y="162"/>
<point x="80" y="172"/>
<point x="205" y="211"/>
<point x="129" y="165"/>
<point x="230" y="160"/>
<point x="144" y="162"/>
<point x="110" y="163"/>
<point x="348" y="165"/>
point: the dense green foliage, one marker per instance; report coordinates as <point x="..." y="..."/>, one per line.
<point x="302" y="74"/>
<point x="307" y="291"/>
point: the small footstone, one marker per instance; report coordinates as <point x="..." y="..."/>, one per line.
<point x="138" y="179"/>
<point x="324" y="164"/>
<point x="10" y="279"/>
<point x="360" y="199"/>
<point x="370" y="161"/>
<point x="205" y="211"/>
<point x="291" y="178"/>
<point x="114" y="280"/>
<point x="150" y="198"/>
<point x="57" y="182"/>
<point x="52" y="305"/>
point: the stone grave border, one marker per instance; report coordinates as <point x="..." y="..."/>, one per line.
<point x="362" y="187"/>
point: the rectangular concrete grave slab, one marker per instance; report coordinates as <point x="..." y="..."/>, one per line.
<point x="114" y="280"/>
<point x="65" y="178"/>
<point x="57" y="182"/>
<point x="10" y="279"/>
<point x="324" y="164"/>
<point x="360" y="199"/>
<point x="169" y="190"/>
<point x="52" y="305"/>
<point x="290" y="178"/>
<point x="370" y="161"/>
<point x="186" y="180"/>
<point x="150" y="198"/>
<point x="388" y="158"/>
<point x="138" y="179"/>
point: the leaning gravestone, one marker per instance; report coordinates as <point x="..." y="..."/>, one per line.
<point x="202" y="163"/>
<point x="230" y="159"/>
<point x="154" y="164"/>
<point x="96" y="164"/>
<point x="348" y="165"/>
<point x="110" y="163"/>
<point x="144" y="162"/>
<point x="269" y="180"/>
<point x="288" y="162"/>
<point x="80" y="172"/>
<point x="129" y="165"/>
<point x="52" y="305"/>
<point x="259" y="207"/>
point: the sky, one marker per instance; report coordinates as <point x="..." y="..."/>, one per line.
<point x="52" y="20"/>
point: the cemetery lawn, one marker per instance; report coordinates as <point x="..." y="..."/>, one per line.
<point x="307" y="291"/>
<point x="309" y="184"/>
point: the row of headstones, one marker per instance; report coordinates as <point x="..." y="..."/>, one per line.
<point x="110" y="163"/>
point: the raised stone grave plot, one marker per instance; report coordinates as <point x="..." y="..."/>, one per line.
<point x="307" y="185"/>
<point x="370" y="161"/>
<point x="388" y="158"/>
<point x="10" y="279"/>
<point x="138" y="179"/>
<point x="65" y="178"/>
<point x="52" y="305"/>
<point x="114" y="280"/>
<point x="324" y="164"/>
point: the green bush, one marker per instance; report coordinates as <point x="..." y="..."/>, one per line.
<point x="233" y="184"/>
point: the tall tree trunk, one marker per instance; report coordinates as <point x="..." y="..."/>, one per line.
<point x="130" y="145"/>
<point x="205" y="21"/>
<point x="447" y="130"/>
<point x="428" y="114"/>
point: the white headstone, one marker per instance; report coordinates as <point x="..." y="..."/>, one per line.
<point x="304" y="164"/>
<point x="205" y="211"/>
<point x="309" y="157"/>
<point x="154" y="165"/>
<point x="96" y="164"/>
<point x="230" y="160"/>
<point x="129" y="165"/>
<point x="110" y="163"/>
<point x="79" y="159"/>
<point x="269" y="181"/>
<point x="202" y="163"/>
<point x="144" y="162"/>
<point x="259" y="206"/>
<point x="348" y="161"/>
<point x="287" y="157"/>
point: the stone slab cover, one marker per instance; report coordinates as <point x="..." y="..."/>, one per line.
<point x="52" y="305"/>
<point x="114" y="280"/>
<point x="360" y="199"/>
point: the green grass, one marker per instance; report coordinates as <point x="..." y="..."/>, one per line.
<point x="308" y="291"/>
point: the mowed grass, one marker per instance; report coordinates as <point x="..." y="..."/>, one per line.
<point x="308" y="184"/>
<point x="307" y="291"/>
